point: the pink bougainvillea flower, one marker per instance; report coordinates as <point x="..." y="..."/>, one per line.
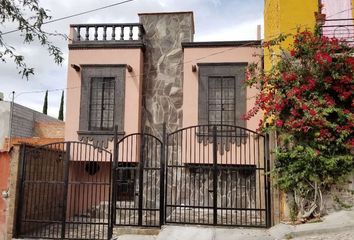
<point x="322" y="58"/>
<point x="279" y="123"/>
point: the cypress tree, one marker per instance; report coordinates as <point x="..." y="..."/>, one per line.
<point x="45" y="105"/>
<point x="61" y="108"/>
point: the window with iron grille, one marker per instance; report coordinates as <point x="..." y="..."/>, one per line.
<point x="221" y="96"/>
<point x="102" y="103"/>
<point x="221" y="100"/>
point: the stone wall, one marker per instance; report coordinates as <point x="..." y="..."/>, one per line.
<point x="191" y="188"/>
<point x="340" y="197"/>
<point x="163" y="69"/>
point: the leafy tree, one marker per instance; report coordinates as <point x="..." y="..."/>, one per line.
<point x="29" y="18"/>
<point x="45" y="104"/>
<point x="61" y="108"/>
<point x="307" y="97"/>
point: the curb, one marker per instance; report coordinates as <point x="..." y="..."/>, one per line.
<point x="302" y="233"/>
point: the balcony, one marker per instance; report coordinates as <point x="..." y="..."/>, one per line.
<point x="343" y="29"/>
<point x="128" y="35"/>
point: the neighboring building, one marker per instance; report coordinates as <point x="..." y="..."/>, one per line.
<point x="287" y="16"/>
<point x="30" y="127"/>
<point x="27" y="123"/>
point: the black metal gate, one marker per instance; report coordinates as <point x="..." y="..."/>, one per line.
<point x="216" y="175"/>
<point x="206" y="174"/>
<point x="65" y="192"/>
<point x="138" y="181"/>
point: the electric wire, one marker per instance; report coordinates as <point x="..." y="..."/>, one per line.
<point x="75" y="15"/>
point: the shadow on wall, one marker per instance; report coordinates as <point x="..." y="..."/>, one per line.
<point x="4" y="175"/>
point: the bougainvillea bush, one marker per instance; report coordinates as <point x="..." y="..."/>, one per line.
<point x="307" y="98"/>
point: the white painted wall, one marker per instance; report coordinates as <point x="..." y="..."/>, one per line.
<point x="4" y="121"/>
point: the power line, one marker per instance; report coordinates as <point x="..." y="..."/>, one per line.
<point x="346" y="10"/>
<point x="42" y="91"/>
<point x="251" y="43"/>
<point x="76" y="14"/>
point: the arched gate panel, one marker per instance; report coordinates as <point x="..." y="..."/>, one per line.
<point x="138" y="181"/>
<point x="217" y="175"/>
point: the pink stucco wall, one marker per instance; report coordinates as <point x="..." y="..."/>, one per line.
<point x="85" y="192"/>
<point x="193" y="56"/>
<point x="250" y="151"/>
<point x="4" y="185"/>
<point x="133" y="85"/>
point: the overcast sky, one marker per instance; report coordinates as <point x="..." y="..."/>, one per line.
<point x="215" y="20"/>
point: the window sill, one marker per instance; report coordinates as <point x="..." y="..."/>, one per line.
<point x="222" y="134"/>
<point x="107" y="133"/>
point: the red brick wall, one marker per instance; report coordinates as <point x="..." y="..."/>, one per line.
<point x="35" y="141"/>
<point x="49" y="129"/>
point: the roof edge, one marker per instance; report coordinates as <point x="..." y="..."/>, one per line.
<point x="244" y="43"/>
<point x="171" y="13"/>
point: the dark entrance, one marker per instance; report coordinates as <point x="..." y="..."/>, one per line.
<point x="216" y="175"/>
<point x="138" y="189"/>
<point x="65" y="192"/>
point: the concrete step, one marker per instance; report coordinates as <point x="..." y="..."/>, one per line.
<point x="137" y="233"/>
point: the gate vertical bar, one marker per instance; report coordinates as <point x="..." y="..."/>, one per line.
<point x="112" y="215"/>
<point x="20" y="190"/>
<point x="166" y="143"/>
<point x="215" y="177"/>
<point x="162" y="176"/>
<point x="268" y="186"/>
<point x="141" y="179"/>
<point x="65" y="187"/>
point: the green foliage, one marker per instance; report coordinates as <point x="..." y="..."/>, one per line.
<point x="29" y="18"/>
<point x="307" y="97"/>
<point x="45" y="104"/>
<point x="293" y="212"/>
<point x="299" y="166"/>
<point x="61" y="108"/>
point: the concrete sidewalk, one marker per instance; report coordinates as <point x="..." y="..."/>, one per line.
<point x="211" y="233"/>
<point x="202" y="233"/>
<point x="338" y="225"/>
<point x="336" y="222"/>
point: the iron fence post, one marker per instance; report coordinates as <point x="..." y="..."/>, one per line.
<point x="162" y="176"/>
<point x="141" y="180"/>
<point x="114" y="162"/>
<point x="20" y="190"/>
<point x="65" y="188"/>
<point x="166" y="144"/>
<point x="215" y="177"/>
<point x="268" y="183"/>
